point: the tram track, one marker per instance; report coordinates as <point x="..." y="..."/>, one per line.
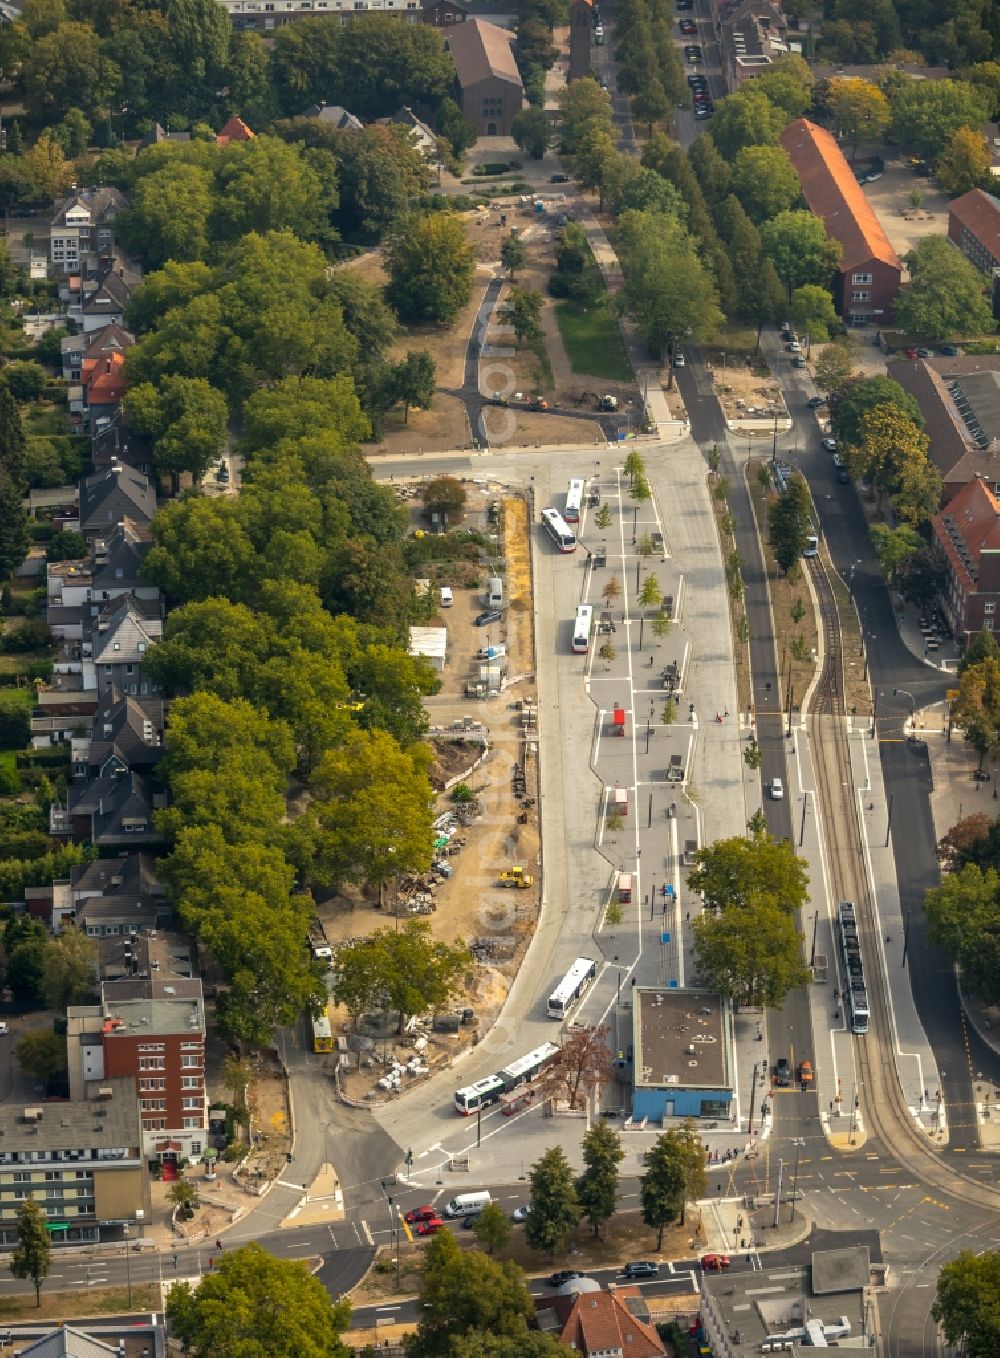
<point x="886" y="1112"/>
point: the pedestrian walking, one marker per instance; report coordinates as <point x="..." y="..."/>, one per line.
<point x="175" y="1261"/>
<point x="211" y="1262"/>
<point x="218" y="1246"/>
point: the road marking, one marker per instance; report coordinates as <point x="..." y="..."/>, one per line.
<point x="368" y="1232"/>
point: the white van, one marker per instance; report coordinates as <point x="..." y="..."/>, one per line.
<point x="463" y="1204"/>
<point x="494" y="592"/>
<point x="447" y="598"/>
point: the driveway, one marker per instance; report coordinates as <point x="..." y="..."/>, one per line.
<point x="904" y="224"/>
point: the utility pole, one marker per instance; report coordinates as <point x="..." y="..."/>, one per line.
<point x="812" y="952"/>
<point x="777" y="1193"/>
<point x="753" y="1096"/>
<point x="797" y="1142"/>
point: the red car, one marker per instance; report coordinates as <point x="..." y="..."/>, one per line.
<point x="714" y="1263"/>
<point x="433" y="1225"/>
<point x="420" y="1214"/>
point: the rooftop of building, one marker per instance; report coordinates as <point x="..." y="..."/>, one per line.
<point x="979" y="213"/>
<point x="680" y="1038"/>
<point x="784" y="1303"/>
<point x="151" y="1004"/>
<point x="482" y="51"/>
<point x="968" y="527"/>
<point x="959" y="399"/>
<point x="107" y="1119"/>
<point x="833" y="193"/>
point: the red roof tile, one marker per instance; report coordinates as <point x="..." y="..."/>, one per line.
<point x="970" y="521"/>
<point x="833" y="193"/>
<point x="235" y="130"/>
<point x="979" y="213"/>
<point x="602" y="1320"/>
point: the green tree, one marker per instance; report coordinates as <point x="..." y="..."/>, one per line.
<point x="927" y="113"/>
<point x="790" y="523"/>
<point x="946" y="296"/>
<point x="964" y="163"/>
<point x="963" y="918"/>
<point x="602" y="519"/>
<point x="668" y="289"/>
<point x="797" y="245"/>
<point x="65" y="69"/>
<point x="15" y="539"/>
<point x="25" y="379"/>
<point x="976" y="707"/>
<point x="747" y="118"/>
<point x="651" y="595"/>
<point x="69" y="972"/>
<point x="813" y="312"/>
<point x="893" y="548"/>
<point x="985" y="74"/>
<point x="513" y="253"/>
<point x="967" y="1303"/>
<point x="430" y="264"/>
<point x="182" y="1193"/>
<point x="583" y="104"/>
<point x="186" y="417"/>
<point x="743" y="873"/>
<point x="663" y="1186"/>
<point x="834" y="366"/>
<point x="464" y="1294"/>
<point x="858" y="109"/>
<point x="168" y="213"/>
<point x="12" y="440"/>
<point x="253" y="1300"/>
<point x="412" y="381"/>
<point x="788" y="83"/>
<point x="32" y="1257"/>
<point x="754" y="957"/>
<point x="525" y="310"/>
<point x="856" y="398"/>
<point x="43" y="1055"/>
<point x="595" y="152"/>
<point x="762" y="297"/>
<point x="597" y="1186"/>
<point x="492" y="1230"/>
<point x="406" y="971"/>
<point x="531" y="131"/>
<point x="554" y="1207"/>
<point x="764" y="181"/>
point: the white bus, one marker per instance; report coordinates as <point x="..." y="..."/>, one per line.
<point x="525" y="1068"/>
<point x="479" y="1095"/>
<point x="583" y="628"/>
<point x="558" y="530"/>
<point x="572" y="986"/>
<point x="574" y="500"/>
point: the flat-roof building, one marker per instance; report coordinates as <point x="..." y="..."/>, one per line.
<point x="81" y="1160"/>
<point x="790" y="1309"/>
<point x="682" y="1054"/>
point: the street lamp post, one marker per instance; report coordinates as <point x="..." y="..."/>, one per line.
<point x="913" y="707"/>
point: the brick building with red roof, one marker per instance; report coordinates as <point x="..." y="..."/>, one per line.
<point x="974" y="226"/>
<point x="867" y="280"/>
<point x="610" y="1324"/>
<point x="966" y="535"/>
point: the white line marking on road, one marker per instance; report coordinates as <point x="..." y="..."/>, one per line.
<point x="368" y="1232"/>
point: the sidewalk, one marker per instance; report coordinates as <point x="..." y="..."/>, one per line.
<point x="957" y="794"/>
<point x="747" y="1225"/>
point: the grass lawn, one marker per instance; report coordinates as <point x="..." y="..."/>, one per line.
<point x="59" y="1306"/>
<point x="593" y="341"/>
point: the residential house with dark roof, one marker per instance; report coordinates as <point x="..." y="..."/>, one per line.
<point x="751" y="34"/>
<point x="126" y="736"/>
<point x="443" y="13"/>
<point x="112" y="494"/>
<point x="966" y="535"/>
<point x="867" y="281"/>
<point x="157" y="134"/>
<point x="111" y="897"/>
<point x="959" y="399"/>
<point x="112" y="439"/>
<point x="488" y="83"/>
<point x="82" y="227"/>
<point x="601" y="1324"/>
<point x="334" y="116"/>
<point x="105" y="303"/>
<point x="61" y="712"/>
<point x="422" y="136"/>
<point x="117" y="565"/>
<point x="112" y="813"/>
<point x="974" y="226"/>
<point x="120" y="640"/>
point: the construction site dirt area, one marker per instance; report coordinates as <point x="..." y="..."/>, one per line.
<point x="483" y="887"/>
<point x="746" y="389"/>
